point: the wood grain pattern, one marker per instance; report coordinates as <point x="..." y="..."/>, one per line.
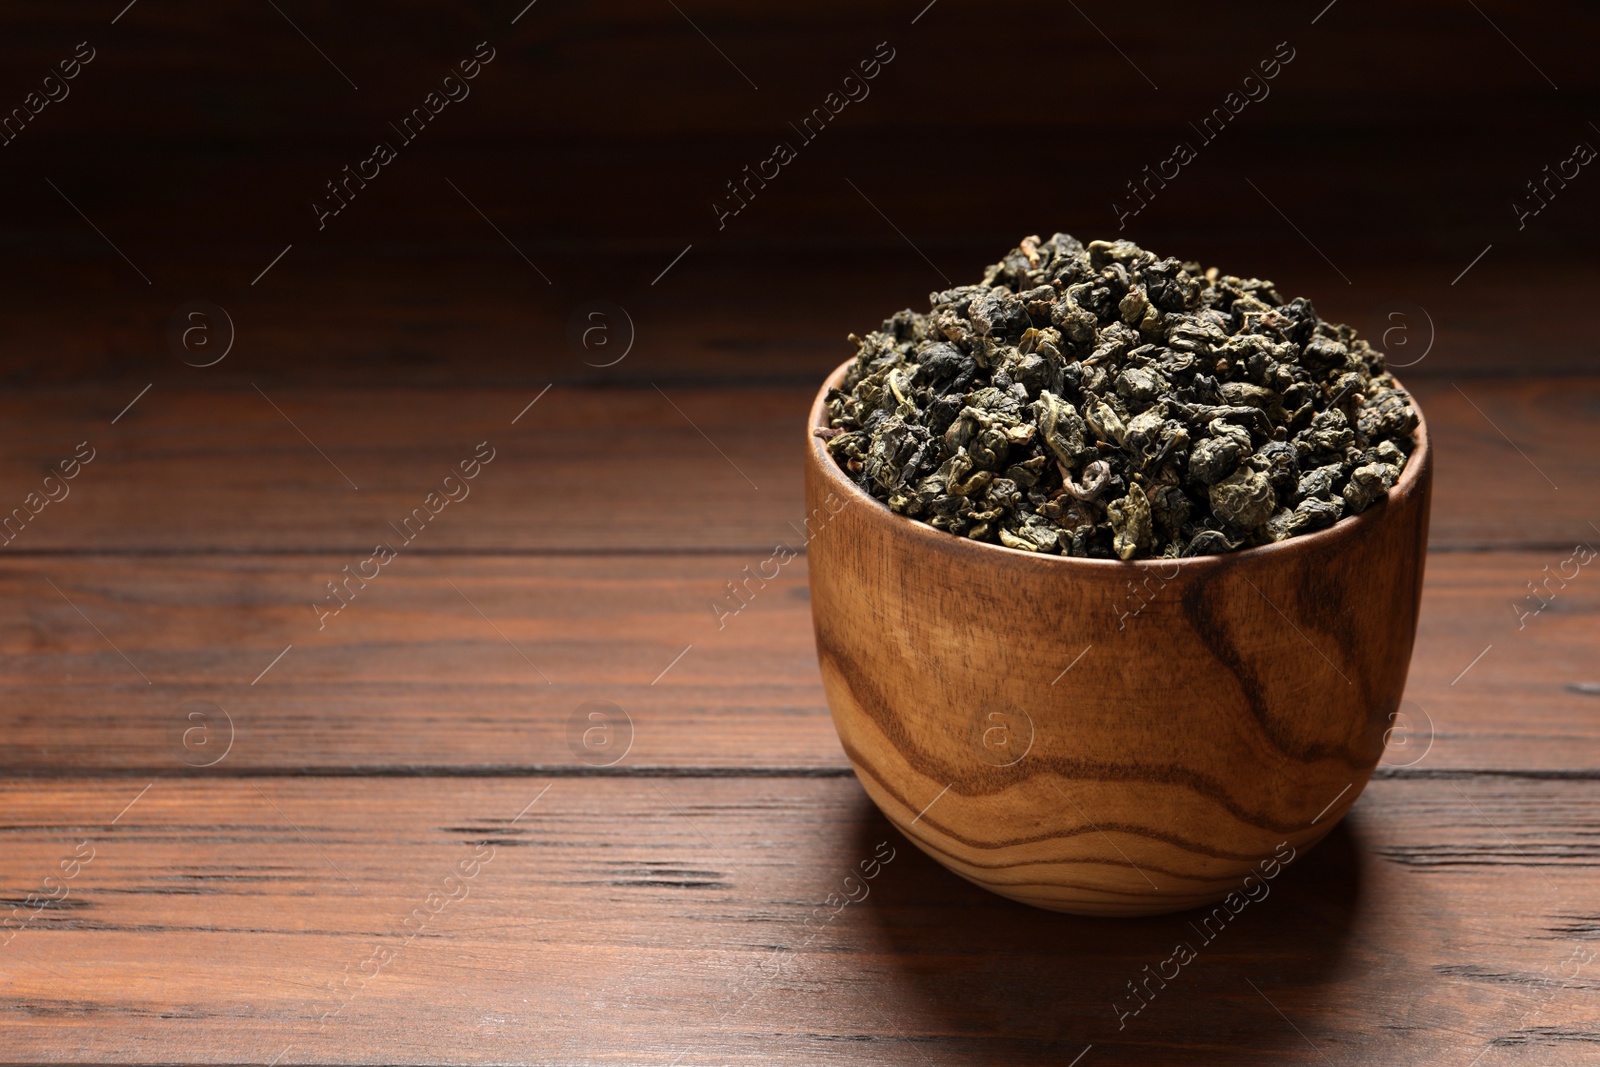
<point x="1424" y="937"/>
<point x="1224" y="703"/>
<point x="714" y="320"/>
<point x="410" y="679"/>
<point x="218" y="469"/>
<point x="629" y="921"/>
<point x="674" y="908"/>
<point x="461" y="664"/>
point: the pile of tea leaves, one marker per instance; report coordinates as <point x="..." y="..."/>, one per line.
<point x="1103" y="402"/>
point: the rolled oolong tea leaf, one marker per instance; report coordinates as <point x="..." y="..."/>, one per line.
<point x="1100" y="401"/>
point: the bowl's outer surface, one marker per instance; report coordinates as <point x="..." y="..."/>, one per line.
<point x="1102" y="737"/>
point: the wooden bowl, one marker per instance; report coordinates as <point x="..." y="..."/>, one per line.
<point x="1102" y="737"/>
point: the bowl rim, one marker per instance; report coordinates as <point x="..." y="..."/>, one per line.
<point x="1411" y="479"/>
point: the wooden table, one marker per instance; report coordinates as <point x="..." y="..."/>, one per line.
<point x="238" y="826"/>
<point x="257" y="831"/>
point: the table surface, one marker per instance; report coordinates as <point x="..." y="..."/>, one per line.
<point x="240" y="828"/>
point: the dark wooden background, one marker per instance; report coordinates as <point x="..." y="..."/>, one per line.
<point x="653" y="911"/>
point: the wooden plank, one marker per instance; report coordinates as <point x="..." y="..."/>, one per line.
<point x="456" y="662"/>
<point x="1493" y="667"/>
<point x="410" y="677"/>
<point x="628" y="921"/>
<point x="593" y="469"/>
<point x="333" y="317"/>
<point x="292" y="469"/>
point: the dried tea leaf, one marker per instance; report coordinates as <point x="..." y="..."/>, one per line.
<point x="1130" y="519"/>
<point x="1367" y="484"/>
<point x="1243" y="499"/>
<point x="1101" y="401"/>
